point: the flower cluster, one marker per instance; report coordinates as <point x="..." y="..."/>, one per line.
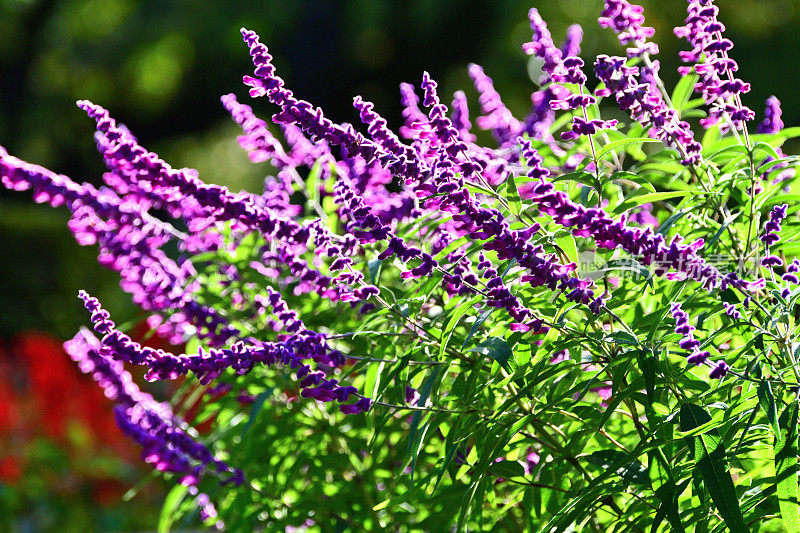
<point x="709" y="53"/>
<point x="497" y="118"/>
<point x="642" y="242"/>
<point x="130" y="242"/>
<point x="689" y="343"/>
<point x="772" y="227"/>
<point x="646" y="105"/>
<point x="561" y="70"/>
<point x="772" y="124"/>
<point x="163" y="437"/>
<point x="293" y="352"/>
<point x="443" y="173"/>
<point x="628" y="22"/>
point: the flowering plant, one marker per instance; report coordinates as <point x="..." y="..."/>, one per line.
<point x="589" y="324"/>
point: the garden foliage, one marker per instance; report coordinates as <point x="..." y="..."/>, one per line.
<point x="589" y="324"/>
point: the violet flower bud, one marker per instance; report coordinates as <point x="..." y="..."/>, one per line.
<point x="719" y="370"/>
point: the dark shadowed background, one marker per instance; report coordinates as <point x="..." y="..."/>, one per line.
<point x="160" y="67"/>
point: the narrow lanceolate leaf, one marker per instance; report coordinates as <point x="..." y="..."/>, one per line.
<point x="710" y="463"/>
<point x="648" y="198"/>
<point x="767" y="401"/>
<point x="786" y="469"/>
<point x="512" y="194"/>
<point x="614" y="145"/>
<point x="169" y="511"/>
<point x="497" y="349"/>
<point x="667" y="492"/>
<point x="255" y="409"/>
<point x="480" y="320"/>
<point x="683" y="91"/>
<point x="414" y="434"/>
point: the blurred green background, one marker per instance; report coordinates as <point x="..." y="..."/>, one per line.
<point x="160" y="67"/>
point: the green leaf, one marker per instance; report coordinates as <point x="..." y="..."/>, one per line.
<point x="683" y="91"/>
<point x="664" y="486"/>
<point x="169" y="511"/>
<point x="451" y="326"/>
<point x="766" y="148"/>
<point x="614" y="145"/>
<point x="312" y="185"/>
<point x="664" y="228"/>
<point x="633" y="471"/>
<point x="649" y="198"/>
<point x="632" y="180"/>
<point x="567" y="244"/>
<point x="647" y="366"/>
<point x="256" y="408"/>
<point x="424" y="394"/>
<point x="630" y="265"/>
<point x="507" y="469"/>
<point x="727" y="222"/>
<point x="767" y="401"/>
<point x="480" y="320"/>
<point x="496" y="348"/>
<point x="513" y="195"/>
<point x="709" y="459"/>
<point x="622" y="337"/>
<point x="786" y="469"/>
<point x="580" y="177"/>
<point x="451" y="447"/>
<point x="375" y="267"/>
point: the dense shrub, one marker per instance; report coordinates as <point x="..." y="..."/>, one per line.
<point x="588" y="325"/>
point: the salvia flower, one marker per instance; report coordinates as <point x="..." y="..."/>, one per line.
<point x="772" y="124"/>
<point x="646" y="106"/>
<point x="709" y="54"/>
<point x="628" y="22"/>
<point x="541" y="45"/>
<point x="731" y="311"/>
<point x="496" y="116"/>
<point x="648" y="247"/>
<point x="572" y="41"/>
<point x="295" y="351"/>
<point x="772" y="227"/>
<point x="581" y="126"/>
<point x="165" y="442"/>
<point x="719" y="370"/>
<point x="688" y="342"/>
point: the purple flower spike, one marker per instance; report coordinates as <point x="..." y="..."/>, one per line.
<point x="572" y="42"/>
<point x="151" y="424"/>
<point x="361" y="406"/>
<point x="496" y="116"/>
<point x="645" y="104"/>
<point x="291" y="352"/>
<point x="688" y="342"/>
<point x="772" y="122"/>
<point x="791" y="278"/>
<point x="460" y="116"/>
<point x="542" y="43"/>
<point x="628" y="22"/>
<point x="731" y="311"/>
<point x="642" y="242"/>
<point x="719" y="370"/>
<point x="581" y="126"/>
<point x="709" y="54"/>
<point x="772" y="227"/>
